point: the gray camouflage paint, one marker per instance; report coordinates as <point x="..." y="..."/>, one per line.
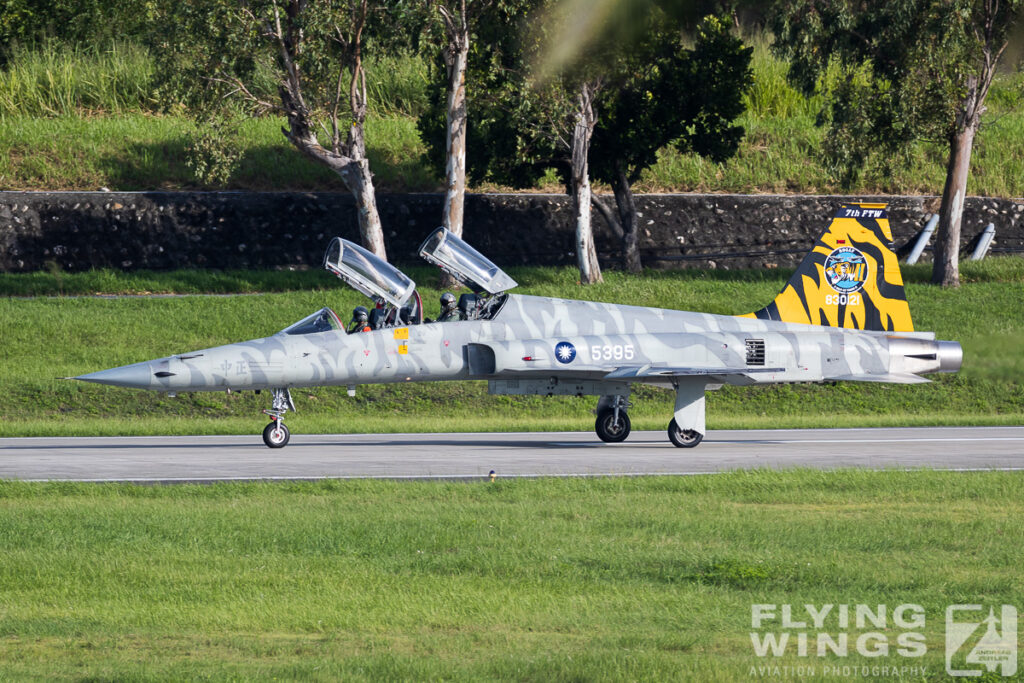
<point x="657" y="346"/>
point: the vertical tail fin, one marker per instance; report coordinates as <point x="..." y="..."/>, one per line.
<point x="851" y="278"/>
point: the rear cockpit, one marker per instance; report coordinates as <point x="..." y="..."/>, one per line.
<point x="475" y="271"/>
<point x="464" y="263"/>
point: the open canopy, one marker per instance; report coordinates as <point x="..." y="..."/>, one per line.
<point x="464" y="263"/>
<point x="369" y="274"/>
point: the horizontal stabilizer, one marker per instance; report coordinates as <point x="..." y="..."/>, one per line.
<point x="648" y="371"/>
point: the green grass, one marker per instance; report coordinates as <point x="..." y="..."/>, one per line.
<point x="78" y="119"/>
<point x="45" y="338"/>
<point x="59" y="80"/>
<point x="555" y="580"/>
<point x="139" y="151"/>
<point x="54" y="79"/>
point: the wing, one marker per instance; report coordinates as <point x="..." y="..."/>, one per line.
<point x="718" y="375"/>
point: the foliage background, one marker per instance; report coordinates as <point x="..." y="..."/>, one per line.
<point x="81" y="108"/>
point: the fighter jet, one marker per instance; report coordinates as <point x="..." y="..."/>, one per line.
<point x="843" y="316"/>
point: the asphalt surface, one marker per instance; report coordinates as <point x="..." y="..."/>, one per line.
<point x="459" y="456"/>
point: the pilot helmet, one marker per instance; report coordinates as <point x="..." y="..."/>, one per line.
<point x="360" y="313"/>
<point x="447" y="300"/>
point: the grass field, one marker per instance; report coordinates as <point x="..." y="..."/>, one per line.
<point x="555" y="580"/>
<point x="83" y="119"/>
<point x="49" y="337"/>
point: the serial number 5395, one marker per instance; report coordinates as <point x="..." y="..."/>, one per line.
<point x="612" y="352"/>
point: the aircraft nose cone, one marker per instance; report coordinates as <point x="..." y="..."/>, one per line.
<point x="138" y="375"/>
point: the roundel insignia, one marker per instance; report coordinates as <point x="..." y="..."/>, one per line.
<point x="846" y="270"/>
<point x="565" y="352"/>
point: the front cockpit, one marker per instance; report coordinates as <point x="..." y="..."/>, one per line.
<point x="324" y="320"/>
<point x="393" y="292"/>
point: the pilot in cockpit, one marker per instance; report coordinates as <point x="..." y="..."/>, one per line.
<point x="449" y="312"/>
<point x="359" y="320"/>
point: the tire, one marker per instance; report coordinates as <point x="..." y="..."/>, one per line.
<point x="276" y="435"/>
<point x="608" y="430"/>
<point x="683" y="438"/>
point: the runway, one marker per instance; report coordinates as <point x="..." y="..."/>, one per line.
<point x="162" y="459"/>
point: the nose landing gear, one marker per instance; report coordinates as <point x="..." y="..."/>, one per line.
<point x="276" y="434"/>
<point x="612" y="424"/>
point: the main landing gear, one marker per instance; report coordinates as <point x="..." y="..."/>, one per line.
<point x="683" y="438"/>
<point x="276" y="434"/>
<point x="612" y="424"/>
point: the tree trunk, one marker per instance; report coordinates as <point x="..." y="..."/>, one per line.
<point x="628" y="219"/>
<point x="355" y="173"/>
<point x="586" y="253"/>
<point x="455" y="142"/>
<point x="348" y="160"/>
<point x="456" y="56"/>
<point x="359" y="181"/>
<point x="611" y="218"/>
<point x="946" y="267"/>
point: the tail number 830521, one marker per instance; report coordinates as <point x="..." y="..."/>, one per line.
<point x="842" y="299"/>
<point x="612" y="352"/>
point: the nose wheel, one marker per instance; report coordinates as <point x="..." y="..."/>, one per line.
<point x="612" y="429"/>
<point x="276" y="434"/>
<point x="612" y="424"/>
<point x="683" y="438"/>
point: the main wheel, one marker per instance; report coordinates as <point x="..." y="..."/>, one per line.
<point x="610" y="430"/>
<point x="276" y="434"/>
<point x="683" y="438"/>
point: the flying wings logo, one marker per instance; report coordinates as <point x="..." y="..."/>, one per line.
<point x="565" y="352"/>
<point x="974" y="643"/>
<point x="846" y="270"/>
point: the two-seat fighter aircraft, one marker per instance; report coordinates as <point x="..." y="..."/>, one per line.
<point x="842" y="316"/>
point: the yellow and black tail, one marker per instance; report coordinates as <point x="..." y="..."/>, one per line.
<point x="851" y="278"/>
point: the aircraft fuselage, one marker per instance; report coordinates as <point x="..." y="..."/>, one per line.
<point x="544" y="337"/>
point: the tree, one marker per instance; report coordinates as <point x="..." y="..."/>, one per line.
<point x="624" y="92"/>
<point x="27" y="23"/>
<point x="584" y="121"/>
<point x="522" y="120"/>
<point x="458" y="17"/>
<point x="312" y="55"/>
<point x="904" y="70"/>
<point x="668" y="94"/>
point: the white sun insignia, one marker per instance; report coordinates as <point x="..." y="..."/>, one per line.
<point x="565" y="352"/>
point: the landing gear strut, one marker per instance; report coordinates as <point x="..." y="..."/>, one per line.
<point x="276" y="434"/>
<point x="612" y="424"/>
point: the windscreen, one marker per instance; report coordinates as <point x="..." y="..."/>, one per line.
<point x="323" y="320"/>
<point x="465" y="263"/>
<point x="368" y="273"/>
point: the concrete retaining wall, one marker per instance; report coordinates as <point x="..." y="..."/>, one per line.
<point x="159" y="230"/>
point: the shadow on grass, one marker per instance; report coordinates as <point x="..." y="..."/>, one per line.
<point x="148" y="166"/>
<point x="264" y="168"/>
